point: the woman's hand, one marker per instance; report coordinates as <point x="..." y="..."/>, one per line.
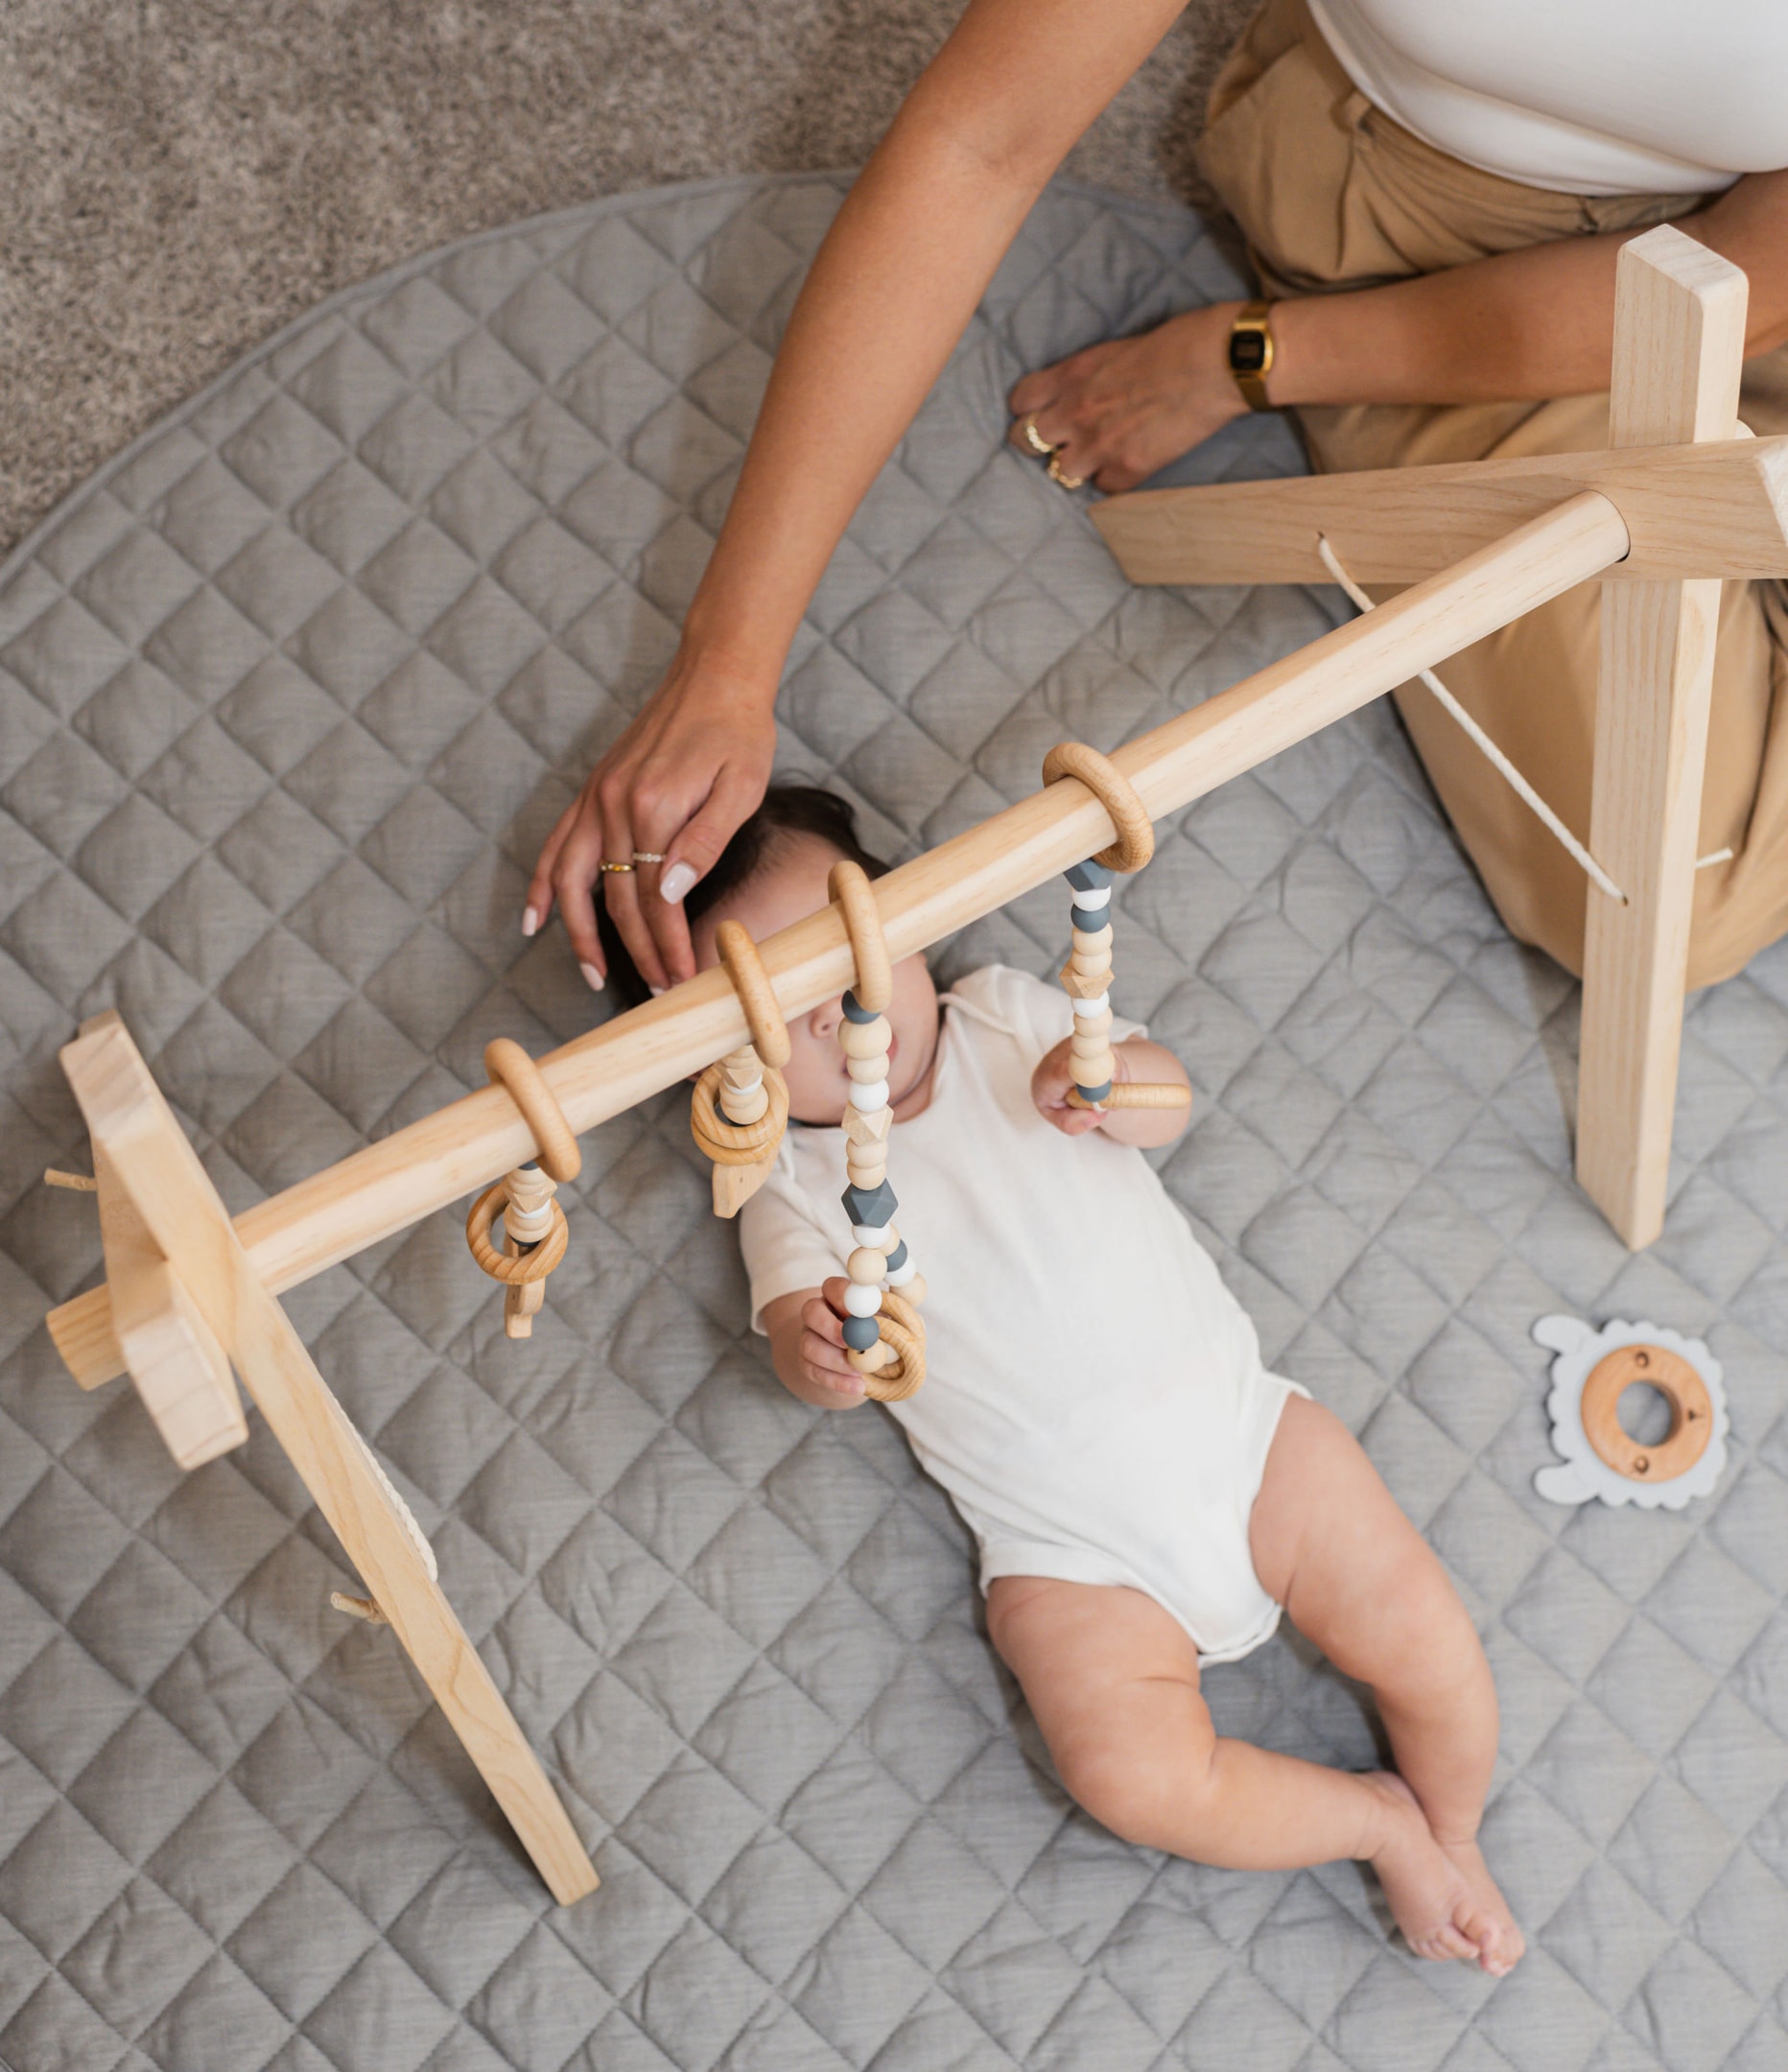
<point x="1120" y="410"/>
<point x="693" y="765"/>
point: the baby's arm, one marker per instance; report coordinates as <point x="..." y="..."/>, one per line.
<point x="1135" y="1059"/>
<point x="807" y="1346"/>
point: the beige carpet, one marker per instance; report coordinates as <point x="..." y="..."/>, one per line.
<point x="180" y="177"/>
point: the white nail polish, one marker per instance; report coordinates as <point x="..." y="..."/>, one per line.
<point x="593" y="977"/>
<point x="530" y="920"/>
<point x="676" y="883"/>
<point x="656" y="991"/>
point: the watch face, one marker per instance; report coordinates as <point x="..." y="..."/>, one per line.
<point x="1247" y="351"/>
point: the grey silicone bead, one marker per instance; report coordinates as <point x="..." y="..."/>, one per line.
<point x="870" y="1205"/>
<point x="1087" y="877"/>
<point x="856" y="1011"/>
<point x="860" y="1333"/>
<point x="897" y="1259"/>
<point x="1095" y="1093"/>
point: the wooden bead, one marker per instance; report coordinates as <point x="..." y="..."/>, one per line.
<point x="872" y="1361"/>
<point x="1092" y="942"/>
<point x="867" y="1129"/>
<point x="868" y="1176"/>
<point x="1094" y="1072"/>
<point x="868" y="1071"/>
<point x="915" y="1291"/>
<point x="741" y="1068"/>
<point x="865" y="1266"/>
<point x="1089" y="1027"/>
<point x="1085" y="984"/>
<point x="866" y="1039"/>
<point x="745" y="1104"/>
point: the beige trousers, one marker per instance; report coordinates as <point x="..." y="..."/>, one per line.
<point x="1330" y="193"/>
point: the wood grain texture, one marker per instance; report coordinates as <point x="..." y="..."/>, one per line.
<point x="1678" y="349"/>
<point x="170" y="1352"/>
<point x="135" y="1133"/>
<point x="417" y="1170"/>
<point x="1714" y="511"/>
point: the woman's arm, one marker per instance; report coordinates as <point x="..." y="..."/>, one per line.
<point x="897" y="278"/>
<point x="1521" y="326"/>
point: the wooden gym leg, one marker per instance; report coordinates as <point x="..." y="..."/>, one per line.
<point x="137" y="1141"/>
<point x="1678" y="346"/>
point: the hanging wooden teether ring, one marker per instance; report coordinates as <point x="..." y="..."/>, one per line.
<point x="903" y="1332"/>
<point x="532" y="1265"/>
<point x="508" y="1066"/>
<point x="1088" y="974"/>
<point x="756" y="996"/>
<point x="1114" y="791"/>
<point x="849" y="885"/>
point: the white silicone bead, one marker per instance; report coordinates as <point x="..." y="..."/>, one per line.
<point x="862" y="1301"/>
<point x="1086" y="1009"/>
<point x="878" y="1236"/>
<point x="1093" y="902"/>
<point x="901" y="1275"/>
<point x="869" y="1098"/>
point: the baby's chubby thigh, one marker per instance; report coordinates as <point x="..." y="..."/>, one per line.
<point x="1112" y="1680"/>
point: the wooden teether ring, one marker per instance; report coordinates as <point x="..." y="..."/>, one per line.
<point x="509" y="1067"/>
<point x="849" y="884"/>
<point x="1114" y="791"/>
<point x="534" y="1265"/>
<point x="1676" y="1381"/>
<point x="764" y="1017"/>
<point x="903" y="1335"/>
<point x="736" y="1143"/>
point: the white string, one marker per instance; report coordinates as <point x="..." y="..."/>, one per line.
<point x="1475" y="734"/>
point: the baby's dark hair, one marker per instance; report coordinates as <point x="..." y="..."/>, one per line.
<point x="787" y="810"/>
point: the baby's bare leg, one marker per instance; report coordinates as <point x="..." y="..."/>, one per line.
<point x="1330" y="1544"/>
<point x="1113" y="1681"/>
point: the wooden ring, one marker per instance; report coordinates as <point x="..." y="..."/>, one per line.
<point x="1138" y="1094"/>
<point x="508" y="1066"/>
<point x="1114" y="791"/>
<point x="849" y="885"/>
<point x="1681" y="1387"/>
<point x="901" y="1328"/>
<point x="751" y="982"/>
<point x="736" y="1143"/>
<point x="534" y="1265"/>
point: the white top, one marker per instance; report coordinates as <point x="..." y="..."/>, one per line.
<point x="1594" y="97"/>
<point x="1095" y="1400"/>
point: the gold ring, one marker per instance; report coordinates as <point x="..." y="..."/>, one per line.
<point x="1035" y="440"/>
<point x="1058" y="474"/>
<point x="607" y="866"/>
<point x="648" y="856"/>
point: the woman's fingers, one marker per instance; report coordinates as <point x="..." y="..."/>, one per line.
<point x="689" y="853"/>
<point x="574" y="875"/>
<point x="540" y="895"/>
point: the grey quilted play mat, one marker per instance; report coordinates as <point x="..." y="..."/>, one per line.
<point x="293" y="691"/>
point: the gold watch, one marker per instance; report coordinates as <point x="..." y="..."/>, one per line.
<point x="1251" y="353"/>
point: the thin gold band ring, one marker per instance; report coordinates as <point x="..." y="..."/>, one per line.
<point x="1035" y="440"/>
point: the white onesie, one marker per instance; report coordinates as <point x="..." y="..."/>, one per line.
<point x="1095" y="1400"/>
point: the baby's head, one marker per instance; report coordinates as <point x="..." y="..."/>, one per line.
<point x="771" y="872"/>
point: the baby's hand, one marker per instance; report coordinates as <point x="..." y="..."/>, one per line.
<point x="1048" y="1088"/>
<point x="823" y="1361"/>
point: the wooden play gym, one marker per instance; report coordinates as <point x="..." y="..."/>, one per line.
<point x="1681" y="500"/>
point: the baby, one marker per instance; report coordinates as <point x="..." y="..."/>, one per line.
<point x="1145" y="1496"/>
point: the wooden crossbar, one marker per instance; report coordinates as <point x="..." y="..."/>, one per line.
<point x="416" y="1171"/>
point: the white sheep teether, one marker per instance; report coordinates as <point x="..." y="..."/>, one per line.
<point x="1599" y="1457"/>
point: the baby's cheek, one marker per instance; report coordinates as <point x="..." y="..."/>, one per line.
<point x="815" y="1077"/>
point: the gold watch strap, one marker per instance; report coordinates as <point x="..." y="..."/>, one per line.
<point x="1251" y="353"/>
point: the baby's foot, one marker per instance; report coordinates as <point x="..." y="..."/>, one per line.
<point x="1443" y="1898"/>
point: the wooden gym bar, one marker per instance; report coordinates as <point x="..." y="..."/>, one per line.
<point x="465" y="1146"/>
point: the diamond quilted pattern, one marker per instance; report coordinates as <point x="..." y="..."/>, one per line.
<point x="294" y="694"/>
